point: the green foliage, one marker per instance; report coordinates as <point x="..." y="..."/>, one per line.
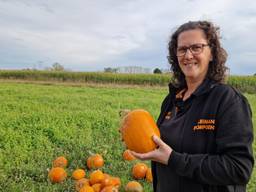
<point x="39" y="123"/>
<point x="157" y="71"/>
<point x="57" y="67"/>
<point x="243" y="83"/>
<point x="110" y="70"/>
<point x="87" y="77"/>
<point x="252" y="100"/>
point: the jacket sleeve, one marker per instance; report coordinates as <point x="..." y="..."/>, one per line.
<point x="233" y="161"/>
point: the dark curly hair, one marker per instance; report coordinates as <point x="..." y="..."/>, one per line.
<point x="217" y="68"/>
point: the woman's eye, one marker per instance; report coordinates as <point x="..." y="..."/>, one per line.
<point x="182" y="49"/>
<point x="196" y="47"/>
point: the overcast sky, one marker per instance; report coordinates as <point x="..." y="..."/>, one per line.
<point x="85" y="35"/>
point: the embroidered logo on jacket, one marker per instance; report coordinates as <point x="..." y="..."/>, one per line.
<point x="168" y="115"/>
<point x="205" y="124"/>
<point x="180" y="94"/>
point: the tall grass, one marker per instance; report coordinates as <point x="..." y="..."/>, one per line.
<point x="243" y="83"/>
<point x="91" y="77"/>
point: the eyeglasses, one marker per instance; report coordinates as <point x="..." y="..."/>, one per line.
<point x="195" y="49"/>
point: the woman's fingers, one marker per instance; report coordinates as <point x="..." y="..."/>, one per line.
<point x="155" y="155"/>
<point x="161" y="154"/>
<point x="143" y="156"/>
<point x="149" y="155"/>
<point x="158" y="141"/>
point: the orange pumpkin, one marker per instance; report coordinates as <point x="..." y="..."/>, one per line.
<point x="139" y="170"/>
<point x="133" y="186"/>
<point x="96" y="187"/>
<point x="128" y="156"/>
<point x="86" y="188"/>
<point x="109" y="189"/>
<point x="149" y="176"/>
<point x="95" y="161"/>
<point x="57" y="174"/>
<point x="81" y="183"/>
<point x="137" y="129"/>
<point x="60" y="162"/>
<point x="116" y="181"/>
<point x="78" y="174"/>
<point x="106" y="175"/>
<point x="107" y="181"/>
<point x="96" y="177"/>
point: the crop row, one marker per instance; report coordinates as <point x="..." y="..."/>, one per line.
<point x="243" y="83"/>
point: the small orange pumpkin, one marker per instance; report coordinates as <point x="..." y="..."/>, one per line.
<point x="60" y="162"/>
<point x="116" y="181"/>
<point x="133" y="186"/>
<point x="139" y="170"/>
<point x="127" y="155"/>
<point x="95" y="161"/>
<point x="97" y="187"/>
<point x="86" y="188"/>
<point x="78" y="174"/>
<point x="106" y="175"/>
<point x="57" y="174"/>
<point x="149" y="176"/>
<point x="109" y="189"/>
<point x="81" y="183"/>
<point x="137" y="129"/>
<point x="96" y="177"/>
<point x="107" y="181"/>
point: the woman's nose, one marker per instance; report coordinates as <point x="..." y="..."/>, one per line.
<point x="188" y="54"/>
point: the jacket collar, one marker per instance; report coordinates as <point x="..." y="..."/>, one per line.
<point x="205" y="87"/>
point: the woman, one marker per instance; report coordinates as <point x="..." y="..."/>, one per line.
<point x="205" y="125"/>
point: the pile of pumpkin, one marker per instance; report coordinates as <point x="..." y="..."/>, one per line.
<point x="137" y="129"/>
<point x="97" y="180"/>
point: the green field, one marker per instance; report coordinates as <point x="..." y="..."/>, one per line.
<point x="41" y="122"/>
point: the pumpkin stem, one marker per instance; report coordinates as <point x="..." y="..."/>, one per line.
<point x="123" y="112"/>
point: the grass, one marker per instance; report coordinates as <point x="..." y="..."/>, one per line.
<point x="252" y="101"/>
<point x="41" y="122"/>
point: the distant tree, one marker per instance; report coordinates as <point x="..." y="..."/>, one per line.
<point x="254" y="74"/>
<point x="157" y="71"/>
<point x="110" y="70"/>
<point x="57" y="67"/>
<point x="26" y="69"/>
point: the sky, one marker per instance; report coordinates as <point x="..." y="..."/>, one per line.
<point x="85" y="35"/>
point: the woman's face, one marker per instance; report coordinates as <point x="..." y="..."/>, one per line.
<point x="193" y="65"/>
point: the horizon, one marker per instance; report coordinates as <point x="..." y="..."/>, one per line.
<point x="163" y="71"/>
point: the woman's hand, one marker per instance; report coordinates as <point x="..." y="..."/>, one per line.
<point x="161" y="154"/>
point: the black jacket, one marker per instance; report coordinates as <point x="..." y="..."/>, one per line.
<point x="211" y="136"/>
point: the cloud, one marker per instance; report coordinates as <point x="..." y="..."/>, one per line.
<point x="88" y="35"/>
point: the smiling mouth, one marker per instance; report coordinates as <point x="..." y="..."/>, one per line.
<point x="190" y="64"/>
